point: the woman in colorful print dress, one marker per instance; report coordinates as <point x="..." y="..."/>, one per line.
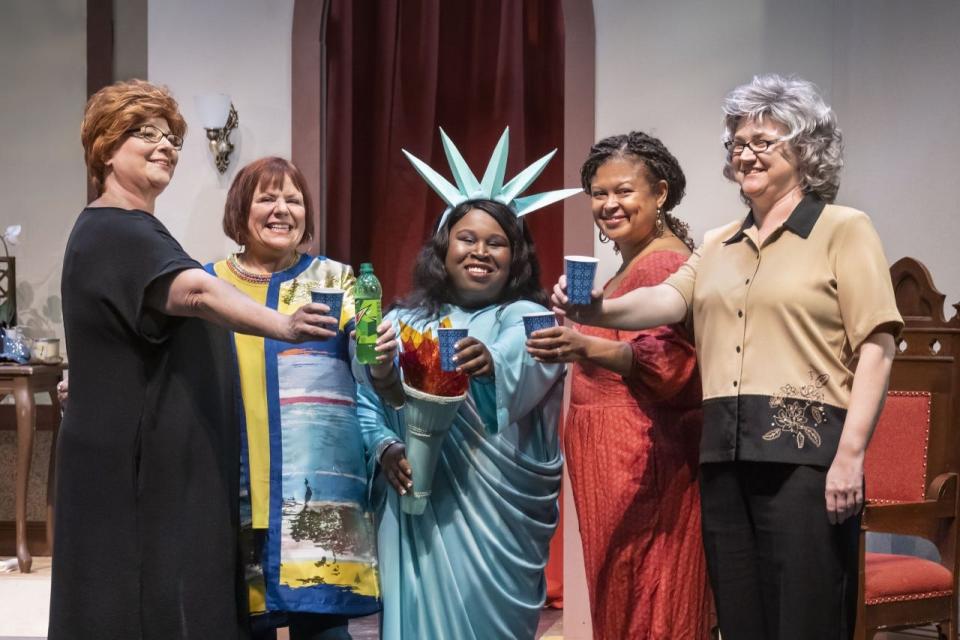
<point x="306" y="530"/>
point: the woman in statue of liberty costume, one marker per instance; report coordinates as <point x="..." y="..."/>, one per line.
<point x="471" y="565"/>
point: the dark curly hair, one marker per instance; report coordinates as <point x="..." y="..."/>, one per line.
<point x="660" y="165"/>
<point x="432" y="287"/>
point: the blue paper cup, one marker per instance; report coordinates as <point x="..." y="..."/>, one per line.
<point x="581" y="270"/>
<point x="333" y="298"/>
<point x="536" y="321"/>
<point x="448" y="340"/>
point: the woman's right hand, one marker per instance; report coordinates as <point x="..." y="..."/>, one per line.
<point x="396" y="468"/>
<point x="558" y="344"/>
<point x="310" y="322"/>
<point x="582" y="313"/>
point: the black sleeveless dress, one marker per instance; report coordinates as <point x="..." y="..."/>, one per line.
<point x="148" y="455"/>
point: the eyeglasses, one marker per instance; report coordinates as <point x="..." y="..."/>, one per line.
<point x="735" y="147"/>
<point x="153" y="134"/>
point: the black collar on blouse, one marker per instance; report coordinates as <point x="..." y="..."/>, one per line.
<point x="801" y="220"/>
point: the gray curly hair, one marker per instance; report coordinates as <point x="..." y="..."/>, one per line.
<point x="811" y="123"/>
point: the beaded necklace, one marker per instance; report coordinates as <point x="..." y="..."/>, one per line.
<point x="233" y="263"/>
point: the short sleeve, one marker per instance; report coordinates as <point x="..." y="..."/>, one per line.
<point x="684" y="278"/>
<point x="864" y="288"/>
<point x="142" y="252"/>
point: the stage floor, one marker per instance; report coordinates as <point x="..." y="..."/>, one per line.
<point x="25" y="598"/>
<point x="25" y="607"/>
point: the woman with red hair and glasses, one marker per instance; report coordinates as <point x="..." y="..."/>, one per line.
<point x="146" y="514"/>
<point x="306" y="531"/>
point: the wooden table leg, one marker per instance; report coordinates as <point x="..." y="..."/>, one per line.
<point x="26" y="424"/>
<point x="51" y="485"/>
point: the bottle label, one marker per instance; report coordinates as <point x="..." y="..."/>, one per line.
<point x="367" y="319"/>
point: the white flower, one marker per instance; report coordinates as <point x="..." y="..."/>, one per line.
<point x="12" y="234"/>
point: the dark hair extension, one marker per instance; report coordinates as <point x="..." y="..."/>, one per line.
<point x="431" y="283"/>
<point x="659" y="163"/>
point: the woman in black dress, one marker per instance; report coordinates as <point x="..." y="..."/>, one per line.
<point x="147" y="475"/>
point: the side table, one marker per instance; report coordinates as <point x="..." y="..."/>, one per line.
<point x="23" y="381"/>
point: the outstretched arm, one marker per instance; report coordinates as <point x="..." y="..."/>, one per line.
<point x="641" y="308"/>
<point x="195" y="293"/>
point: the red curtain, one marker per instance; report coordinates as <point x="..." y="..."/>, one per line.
<point x="395" y="71"/>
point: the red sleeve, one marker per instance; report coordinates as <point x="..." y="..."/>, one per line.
<point x="664" y="358"/>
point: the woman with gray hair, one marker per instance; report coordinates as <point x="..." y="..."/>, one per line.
<point x="783" y="302"/>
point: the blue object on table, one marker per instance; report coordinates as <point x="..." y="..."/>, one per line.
<point x="15" y="347"/>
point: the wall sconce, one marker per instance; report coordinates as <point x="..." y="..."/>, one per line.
<point x="219" y="118"/>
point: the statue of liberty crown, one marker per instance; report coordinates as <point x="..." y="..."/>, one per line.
<point x="491" y="187"/>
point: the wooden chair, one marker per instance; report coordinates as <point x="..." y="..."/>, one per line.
<point x="911" y="468"/>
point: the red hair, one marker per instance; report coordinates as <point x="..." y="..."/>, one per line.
<point x="266" y="173"/>
<point x="116" y="109"/>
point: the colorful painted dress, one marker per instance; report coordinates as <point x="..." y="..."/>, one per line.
<point x="471" y="566"/>
<point x="631" y="444"/>
<point x="306" y="530"/>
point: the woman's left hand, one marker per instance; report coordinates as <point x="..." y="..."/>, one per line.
<point x="844" y="491"/>
<point x="386" y="348"/>
<point x="557" y="344"/>
<point x="473" y="358"/>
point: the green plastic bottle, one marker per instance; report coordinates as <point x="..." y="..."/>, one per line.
<point x="367" y="293"/>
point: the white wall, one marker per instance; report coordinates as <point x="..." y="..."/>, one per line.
<point x="242" y="49"/>
<point x="888" y="67"/>
<point x="44" y="78"/>
<point x="41" y="163"/>
<point x="897" y="94"/>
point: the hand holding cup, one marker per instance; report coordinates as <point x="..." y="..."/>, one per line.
<point x="309" y="322"/>
<point x="583" y="313"/>
<point x="472" y="358"/>
<point x="557" y="344"/>
<point x="332" y="298"/>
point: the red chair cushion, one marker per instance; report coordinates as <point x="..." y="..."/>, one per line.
<point x="895" y="467"/>
<point x="895" y="578"/>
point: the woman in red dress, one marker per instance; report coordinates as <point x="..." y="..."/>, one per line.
<point x="633" y="429"/>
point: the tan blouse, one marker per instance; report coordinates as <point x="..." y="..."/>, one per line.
<point x="777" y="326"/>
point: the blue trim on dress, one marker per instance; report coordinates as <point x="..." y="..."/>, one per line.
<point x="281" y="598"/>
<point x="271" y="551"/>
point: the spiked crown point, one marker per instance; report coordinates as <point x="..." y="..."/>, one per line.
<point x="491" y="186"/>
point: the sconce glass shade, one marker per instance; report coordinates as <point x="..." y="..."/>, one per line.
<point x="219" y="118"/>
<point x="213" y="109"/>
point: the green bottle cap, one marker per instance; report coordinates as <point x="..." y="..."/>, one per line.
<point x="366" y="267"/>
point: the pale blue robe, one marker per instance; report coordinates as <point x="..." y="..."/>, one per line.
<point x="471" y="567"/>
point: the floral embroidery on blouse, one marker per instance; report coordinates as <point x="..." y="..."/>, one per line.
<point x="799" y="411"/>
